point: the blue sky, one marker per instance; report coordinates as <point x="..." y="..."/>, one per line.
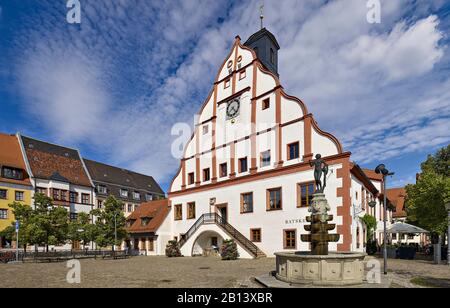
<point x="114" y="85"/>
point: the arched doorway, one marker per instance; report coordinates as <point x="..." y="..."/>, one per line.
<point x="207" y="244"/>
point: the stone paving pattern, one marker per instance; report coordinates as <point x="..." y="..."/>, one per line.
<point x="154" y="272"/>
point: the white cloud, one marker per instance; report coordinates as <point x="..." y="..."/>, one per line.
<point x="136" y="68"/>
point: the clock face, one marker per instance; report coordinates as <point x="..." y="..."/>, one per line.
<point x="233" y="109"/>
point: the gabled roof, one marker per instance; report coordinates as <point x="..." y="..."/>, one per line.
<point x="371" y="174"/>
<point x="115" y="178"/>
<point x="256" y="36"/>
<point x="156" y="211"/>
<point x="54" y="162"/>
<point x="397" y="197"/>
<point x="361" y="175"/>
<point x="11" y="156"/>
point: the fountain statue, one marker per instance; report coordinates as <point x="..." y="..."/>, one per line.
<point x="319" y="266"/>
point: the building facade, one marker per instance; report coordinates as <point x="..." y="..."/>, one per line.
<point x="130" y="187"/>
<point x="246" y="171"/>
<point x="148" y="229"/>
<point x="15" y="184"/>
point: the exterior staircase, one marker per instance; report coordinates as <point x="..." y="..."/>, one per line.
<point x="213" y="218"/>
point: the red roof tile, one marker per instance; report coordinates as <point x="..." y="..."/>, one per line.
<point x="156" y="211"/>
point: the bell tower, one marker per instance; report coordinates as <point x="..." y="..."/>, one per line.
<point x="266" y="47"/>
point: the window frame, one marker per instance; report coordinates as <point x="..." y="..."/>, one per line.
<point x="83" y="200"/>
<point x="299" y="193"/>
<point x="265" y="104"/>
<point x="242" y="203"/>
<point x="261" y="162"/>
<point x="73" y="194"/>
<point x="5" y="216"/>
<point x="268" y="193"/>
<point x="176" y="207"/>
<point x="206" y="174"/>
<point x="221" y="173"/>
<point x="296" y="143"/>
<point x="191" y="178"/>
<point x="246" y="164"/>
<point x="6" y="194"/>
<point x="191" y="214"/>
<point x="285" y="239"/>
<point x="252" y="238"/>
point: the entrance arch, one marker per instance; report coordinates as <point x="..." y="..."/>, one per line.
<point x="208" y="243"/>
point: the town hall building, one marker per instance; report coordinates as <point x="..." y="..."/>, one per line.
<point x="246" y="171"/>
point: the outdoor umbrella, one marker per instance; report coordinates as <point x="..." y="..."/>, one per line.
<point x="402" y="228"/>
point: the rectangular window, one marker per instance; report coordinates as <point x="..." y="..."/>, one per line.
<point x="255" y="235"/>
<point x="130" y="208"/>
<point x="305" y="193"/>
<point x="242" y="74"/>
<point x="272" y="56"/>
<point x="12" y="173"/>
<point x="56" y="194"/>
<point x="293" y="150"/>
<point x="64" y="195"/>
<point x="363" y="198"/>
<point x="3" y="214"/>
<point x="223" y="170"/>
<point x="99" y="204"/>
<point x="136" y="196"/>
<point x="205" y="129"/>
<point x="227" y="83"/>
<point x="243" y="165"/>
<point x="394" y="236"/>
<point x="149" y="197"/>
<point x="178" y="212"/>
<point x="247" y="203"/>
<point x="40" y="190"/>
<point x="206" y="175"/>
<point x="191" y="178"/>
<point x="290" y="239"/>
<point x="124" y="193"/>
<point x="19" y="196"/>
<point x="274" y="199"/>
<point x="73" y="216"/>
<point x="73" y="197"/>
<point x="3" y="194"/>
<point x="191" y="210"/>
<point x="102" y="189"/>
<point x="85" y="198"/>
<point x="265" y="158"/>
<point x="266" y="104"/>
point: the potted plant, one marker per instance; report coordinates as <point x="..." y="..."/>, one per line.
<point x="229" y="250"/>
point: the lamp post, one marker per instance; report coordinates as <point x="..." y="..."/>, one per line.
<point x="115" y="230"/>
<point x="381" y="169"/>
<point x="448" y="234"/>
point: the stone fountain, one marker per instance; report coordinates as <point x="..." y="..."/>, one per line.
<point x="319" y="266"/>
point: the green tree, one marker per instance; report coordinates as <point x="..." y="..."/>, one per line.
<point x="23" y="213"/>
<point x="49" y="224"/>
<point x="425" y="202"/>
<point x="109" y="220"/>
<point x="371" y="224"/>
<point x="82" y="230"/>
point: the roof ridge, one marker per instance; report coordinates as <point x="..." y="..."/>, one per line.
<point x="116" y="167"/>
<point x="53" y="144"/>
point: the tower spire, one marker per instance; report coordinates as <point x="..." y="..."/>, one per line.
<point x="261" y="8"/>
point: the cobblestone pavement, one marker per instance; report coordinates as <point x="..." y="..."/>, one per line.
<point x="153" y="272"/>
<point x="429" y="273"/>
<point x="146" y="272"/>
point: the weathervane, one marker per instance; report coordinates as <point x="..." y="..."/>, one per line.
<point x="261" y="8"/>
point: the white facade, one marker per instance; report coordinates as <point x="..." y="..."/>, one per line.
<point x="259" y="127"/>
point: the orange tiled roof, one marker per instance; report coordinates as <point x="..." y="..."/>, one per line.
<point x="397" y="197"/>
<point x="11" y="156"/>
<point x="372" y="175"/>
<point x="156" y="210"/>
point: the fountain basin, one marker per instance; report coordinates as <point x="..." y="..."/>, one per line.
<point x="334" y="269"/>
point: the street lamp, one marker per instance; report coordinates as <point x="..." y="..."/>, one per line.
<point x="381" y="169"/>
<point x="448" y="235"/>
<point x="115" y="230"/>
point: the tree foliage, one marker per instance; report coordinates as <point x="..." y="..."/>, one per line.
<point x="425" y="202"/>
<point x="109" y="219"/>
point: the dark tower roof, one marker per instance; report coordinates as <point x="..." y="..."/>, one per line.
<point x="266" y="47"/>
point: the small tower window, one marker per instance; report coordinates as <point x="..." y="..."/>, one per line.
<point x="272" y="56"/>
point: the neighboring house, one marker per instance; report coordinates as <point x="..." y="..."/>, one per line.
<point x="148" y="228"/>
<point x="130" y="187"/>
<point x="15" y="184"/>
<point x="60" y="173"/>
<point x="246" y="172"/>
<point x="397" y="196"/>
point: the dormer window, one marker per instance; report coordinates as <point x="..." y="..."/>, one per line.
<point x="272" y="56"/>
<point x="149" y="197"/>
<point x="12" y="173"/>
<point x="145" y="221"/>
<point x="102" y="189"/>
<point x="124" y="193"/>
<point x="136" y="195"/>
